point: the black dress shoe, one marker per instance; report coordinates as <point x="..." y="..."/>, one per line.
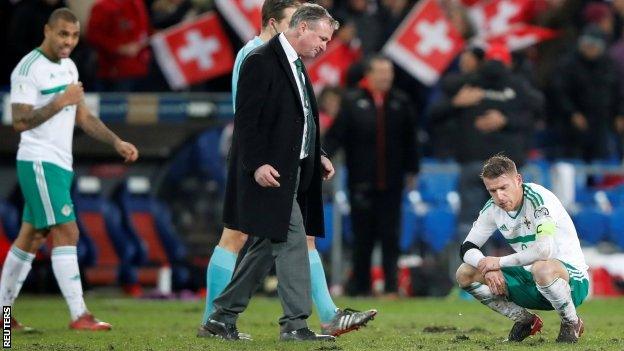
<point x="221" y="330"/>
<point x="305" y="334"/>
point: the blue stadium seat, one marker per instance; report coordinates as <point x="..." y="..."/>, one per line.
<point x="207" y="157"/>
<point x="410" y="227"/>
<point x="323" y="245"/>
<point x="616" y="196"/>
<point x="9" y="227"/>
<point x="439" y="227"/>
<point x="591" y="224"/>
<point x="101" y="221"/>
<point x="434" y="187"/>
<point x="150" y="220"/>
<point x="616" y="226"/>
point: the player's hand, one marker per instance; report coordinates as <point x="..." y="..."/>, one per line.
<point x="328" y="168"/>
<point x="267" y="176"/>
<point x="496" y="282"/>
<point x="128" y="151"/>
<point x="489" y="263"/>
<point x="73" y="95"/>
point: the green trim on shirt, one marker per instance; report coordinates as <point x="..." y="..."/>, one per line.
<point x="521" y="239"/>
<point x="54" y="90"/>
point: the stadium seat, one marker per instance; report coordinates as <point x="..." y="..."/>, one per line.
<point x="9" y="227"/>
<point x="323" y="245"/>
<point x="101" y="221"/>
<point x="410" y="227"/>
<point x="435" y="186"/>
<point x="150" y="220"/>
<point x="439" y="227"/>
<point x="616" y="226"/>
<point x="591" y="224"/>
<point x="207" y="157"/>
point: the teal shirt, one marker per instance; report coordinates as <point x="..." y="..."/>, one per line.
<point x="240" y="57"/>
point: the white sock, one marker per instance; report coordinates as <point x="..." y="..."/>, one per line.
<point x="16" y="267"/>
<point x="500" y="304"/>
<point x="558" y="293"/>
<point x="65" y="267"/>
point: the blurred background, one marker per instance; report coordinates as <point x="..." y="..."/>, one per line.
<point x="158" y="73"/>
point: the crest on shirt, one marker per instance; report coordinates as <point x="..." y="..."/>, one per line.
<point x="527" y="223"/>
<point x="66" y="210"/>
<point x="541" y="212"/>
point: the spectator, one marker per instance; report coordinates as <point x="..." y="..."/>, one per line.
<point x="118" y="30"/>
<point x="367" y="23"/>
<point x="590" y="99"/>
<point x="490" y="116"/>
<point x="376" y="128"/>
<point x="329" y="105"/>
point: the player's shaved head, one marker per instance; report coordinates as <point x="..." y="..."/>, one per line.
<point x="64" y="14"/>
<point x="498" y="165"/>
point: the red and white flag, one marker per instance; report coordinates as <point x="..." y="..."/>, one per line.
<point x="245" y="16"/>
<point x="425" y="43"/>
<point x="193" y="52"/>
<point x="331" y="67"/>
<point x="522" y="36"/>
<point x="495" y="17"/>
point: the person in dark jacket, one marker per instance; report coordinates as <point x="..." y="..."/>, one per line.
<point x="376" y="128"/>
<point x="492" y="115"/>
<point x="590" y="100"/>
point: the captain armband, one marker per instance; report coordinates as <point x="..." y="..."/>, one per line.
<point x="546" y="228"/>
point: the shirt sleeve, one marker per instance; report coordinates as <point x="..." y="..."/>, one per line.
<point x="23" y="90"/>
<point x="480" y="232"/>
<point x="544" y="246"/>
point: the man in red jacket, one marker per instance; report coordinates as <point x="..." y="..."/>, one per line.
<point x="118" y="30"/>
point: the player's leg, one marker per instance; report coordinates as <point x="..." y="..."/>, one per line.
<point x="67" y="274"/>
<point x="221" y="266"/>
<point x="473" y="282"/>
<point x="17" y="265"/>
<point x="334" y="321"/>
<point x="553" y="279"/>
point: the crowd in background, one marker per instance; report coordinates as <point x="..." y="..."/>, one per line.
<point x="571" y="105"/>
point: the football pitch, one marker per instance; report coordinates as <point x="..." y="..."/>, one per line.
<point x="409" y="324"/>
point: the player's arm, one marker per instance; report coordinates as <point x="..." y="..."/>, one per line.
<point x="96" y="129"/>
<point x="543" y="249"/>
<point x="26" y="117"/>
<point x="470" y="250"/>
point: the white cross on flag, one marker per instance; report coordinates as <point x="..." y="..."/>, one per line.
<point x="425" y="43"/>
<point x="245" y="16"/>
<point x="498" y="16"/>
<point x="331" y="66"/>
<point x="193" y="52"/>
<point x="522" y="36"/>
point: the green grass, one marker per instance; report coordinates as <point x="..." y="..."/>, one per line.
<point x="400" y="325"/>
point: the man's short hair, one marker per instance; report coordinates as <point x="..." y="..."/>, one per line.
<point x="312" y="13"/>
<point x="64" y="14"/>
<point x="275" y="9"/>
<point x="498" y="165"/>
<point x="368" y="63"/>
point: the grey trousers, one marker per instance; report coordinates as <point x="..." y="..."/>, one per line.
<point x="293" y="274"/>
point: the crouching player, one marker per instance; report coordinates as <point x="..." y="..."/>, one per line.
<point x="547" y="270"/>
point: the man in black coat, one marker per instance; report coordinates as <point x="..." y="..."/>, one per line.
<point x="376" y="127"/>
<point x="273" y="190"/>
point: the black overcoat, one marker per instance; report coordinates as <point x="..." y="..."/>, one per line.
<point x="268" y="129"/>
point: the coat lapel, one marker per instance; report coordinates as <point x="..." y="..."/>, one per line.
<point x="283" y="60"/>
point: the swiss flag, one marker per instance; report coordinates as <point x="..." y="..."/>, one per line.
<point x="425" y="43"/>
<point x="522" y="36"/>
<point x="193" y="52"/>
<point x="498" y="16"/>
<point x="330" y="67"/>
<point x="245" y="16"/>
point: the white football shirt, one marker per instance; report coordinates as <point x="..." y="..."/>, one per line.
<point x="36" y="81"/>
<point x="520" y="227"/>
